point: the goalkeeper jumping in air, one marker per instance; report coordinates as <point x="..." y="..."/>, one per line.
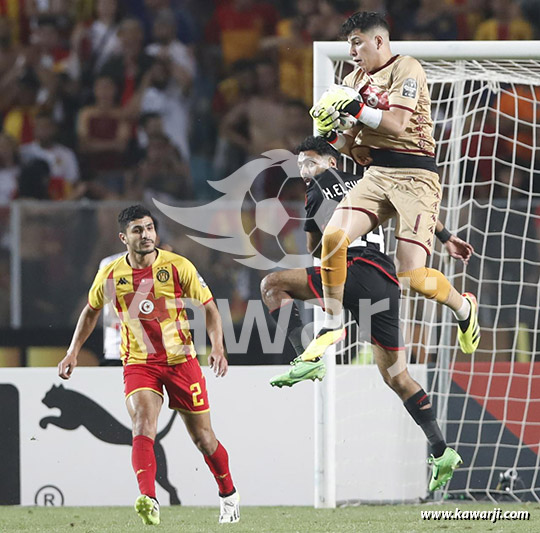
<point x="392" y="134"/>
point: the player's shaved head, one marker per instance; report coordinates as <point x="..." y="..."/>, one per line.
<point x="364" y="22"/>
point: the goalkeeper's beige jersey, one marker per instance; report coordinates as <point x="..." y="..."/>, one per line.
<point x="400" y="83"/>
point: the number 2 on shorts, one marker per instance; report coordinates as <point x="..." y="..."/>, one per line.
<point x="195" y="391"/>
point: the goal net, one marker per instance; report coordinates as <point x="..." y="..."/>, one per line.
<point x="486" y="111"/>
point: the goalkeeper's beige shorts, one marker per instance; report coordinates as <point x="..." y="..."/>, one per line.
<point x="411" y="195"/>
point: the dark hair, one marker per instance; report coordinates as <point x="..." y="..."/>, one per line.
<point x="364" y="21"/>
<point x="318" y="145"/>
<point x="131" y="213"/>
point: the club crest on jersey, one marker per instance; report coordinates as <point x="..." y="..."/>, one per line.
<point x="409" y="88"/>
<point x="163" y="275"/>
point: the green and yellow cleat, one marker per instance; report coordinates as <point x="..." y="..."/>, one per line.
<point x="469" y="338"/>
<point x="321" y="342"/>
<point x="148" y="509"/>
<point x="300" y="371"/>
<point x="443" y="468"/>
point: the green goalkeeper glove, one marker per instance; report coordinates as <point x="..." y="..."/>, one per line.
<point x="326" y="120"/>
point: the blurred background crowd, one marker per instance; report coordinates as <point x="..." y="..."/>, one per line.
<point x="129" y="100"/>
<point x="123" y="99"/>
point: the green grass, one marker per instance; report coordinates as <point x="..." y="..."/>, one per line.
<point x="366" y="518"/>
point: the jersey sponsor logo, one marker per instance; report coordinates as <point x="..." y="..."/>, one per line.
<point x="146" y="307"/>
<point x="122" y="281"/>
<point x="163" y="275"/>
<point x="409" y="88"/>
<point x="375" y="97"/>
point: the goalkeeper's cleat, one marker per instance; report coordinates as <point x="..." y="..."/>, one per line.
<point x="443" y="468"/>
<point x="148" y="509"/>
<point x="469" y="330"/>
<point x="229" y="508"/>
<point x="300" y="371"/>
<point x="324" y="339"/>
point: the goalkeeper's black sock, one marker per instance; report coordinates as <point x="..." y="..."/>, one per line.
<point x="425" y="418"/>
<point x="294" y="327"/>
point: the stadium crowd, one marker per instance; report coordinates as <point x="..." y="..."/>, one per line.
<point x="138" y="99"/>
<point x="122" y="99"/>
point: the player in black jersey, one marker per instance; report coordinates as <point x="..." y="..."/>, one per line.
<point x="371" y="277"/>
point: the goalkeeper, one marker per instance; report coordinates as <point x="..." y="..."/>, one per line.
<point x="371" y="278"/>
<point x="392" y="133"/>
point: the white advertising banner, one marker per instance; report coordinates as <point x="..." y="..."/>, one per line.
<point x="74" y="439"/>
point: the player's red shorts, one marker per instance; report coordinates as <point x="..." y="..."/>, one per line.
<point x="185" y="384"/>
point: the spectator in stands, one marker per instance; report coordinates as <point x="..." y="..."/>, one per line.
<point x="166" y="45"/>
<point x="238" y="26"/>
<point x="148" y="10"/>
<point x="149" y="124"/>
<point x="298" y="126"/>
<point x="240" y="85"/>
<point x="64" y="180"/>
<point x="19" y="120"/>
<point x="294" y="44"/>
<point x="9" y="169"/>
<point x="54" y="52"/>
<point x="433" y="20"/>
<point x="34" y="180"/>
<point x="94" y="42"/>
<point x="168" y="97"/>
<point x="468" y="15"/>
<point x="244" y="126"/>
<point x="506" y="23"/>
<point x="128" y="67"/>
<point x="104" y="135"/>
<point x="162" y="173"/>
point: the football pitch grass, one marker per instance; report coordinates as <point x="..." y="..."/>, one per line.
<point x="365" y="518"/>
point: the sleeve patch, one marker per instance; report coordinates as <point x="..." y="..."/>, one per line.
<point x="409" y="88"/>
<point x="201" y="281"/>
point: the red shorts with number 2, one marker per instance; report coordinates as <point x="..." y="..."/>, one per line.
<point x="185" y="384"/>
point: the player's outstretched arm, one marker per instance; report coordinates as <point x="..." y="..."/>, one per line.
<point x="85" y="325"/>
<point x="217" y="360"/>
<point x="456" y="247"/>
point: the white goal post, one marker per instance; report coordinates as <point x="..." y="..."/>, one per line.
<point x="488" y="162"/>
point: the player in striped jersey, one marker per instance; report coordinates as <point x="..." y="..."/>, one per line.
<point x="149" y="289"/>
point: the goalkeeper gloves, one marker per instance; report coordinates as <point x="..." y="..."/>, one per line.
<point x="325" y="120"/>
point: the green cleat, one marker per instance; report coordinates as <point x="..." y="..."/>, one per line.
<point x="319" y="344"/>
<point x="443" y="468"/>
<point x="148" y="509"/>
<point x="300" y="371"/>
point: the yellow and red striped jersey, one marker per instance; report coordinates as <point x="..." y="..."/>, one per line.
<point x="151" y="305"/>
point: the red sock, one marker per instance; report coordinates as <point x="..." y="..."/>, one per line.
<point x="218" y="463"/>
<point x="143" y="460"/>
